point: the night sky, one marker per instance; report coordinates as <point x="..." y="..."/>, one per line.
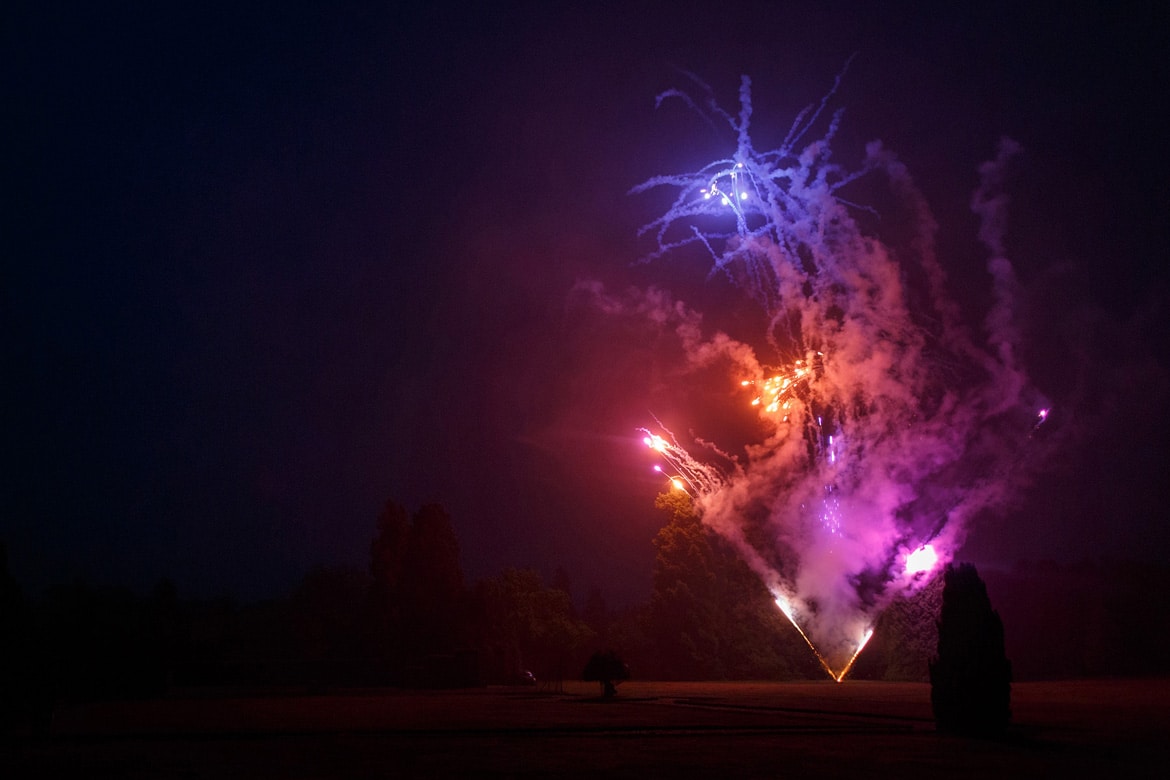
<point x="267" y="267"/>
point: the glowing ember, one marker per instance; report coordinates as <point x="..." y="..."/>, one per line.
<point x="675" y="482"/>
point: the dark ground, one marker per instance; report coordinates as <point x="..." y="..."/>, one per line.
<point x="863" y="729"/>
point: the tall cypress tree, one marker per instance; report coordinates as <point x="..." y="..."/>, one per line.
<point x="387" y="554"/>
<point x="432" y="591"/>
<point x="970" y="680"/>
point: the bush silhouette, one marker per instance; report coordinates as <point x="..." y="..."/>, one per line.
<point x="970" y="679"/>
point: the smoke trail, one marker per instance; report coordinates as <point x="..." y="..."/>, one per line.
<point x="887" y="424"/>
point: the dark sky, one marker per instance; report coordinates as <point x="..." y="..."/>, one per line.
<point x="268" y="266"/>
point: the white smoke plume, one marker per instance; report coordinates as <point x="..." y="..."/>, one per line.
<point x="886" y="424"/>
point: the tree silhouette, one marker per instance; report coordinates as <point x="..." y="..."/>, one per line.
<point x="419" y="603"/>
<point x="387" y="553"/>
<point x="682" y="608"/>
<point x="433" y="599"/>
<point x="905" y="638"/>
<point x="17" y="681"/>
<point x="326" y="612"/>
<point x="710" y="616"/>
<point x="607" y="669"/>
<point x="526" y="625"/>
<point x="970" y="680"/>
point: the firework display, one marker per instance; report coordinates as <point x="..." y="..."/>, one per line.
<point x="886" y="422"/>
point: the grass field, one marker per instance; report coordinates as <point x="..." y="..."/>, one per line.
<point x="859" y="729"/>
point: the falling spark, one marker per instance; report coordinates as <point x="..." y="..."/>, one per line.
<point x="1041" y="418"/>
<point x="697" y="478"/>
<point x="786" y="608"/>
<point x="860" y="646"/>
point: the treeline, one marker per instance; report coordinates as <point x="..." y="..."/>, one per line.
<point x="411" y="619"/>
<point x="1090" y="619"/>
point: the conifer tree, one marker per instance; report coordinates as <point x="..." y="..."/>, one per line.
<point x="970" y="679"/>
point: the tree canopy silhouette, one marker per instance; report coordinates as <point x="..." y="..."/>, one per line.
<point x="608" y="669"/>
<point x="710" y="616"/>
<point x="970" y="679"/>
<point x="418" y="593"/>
<point x="526" y="625"/>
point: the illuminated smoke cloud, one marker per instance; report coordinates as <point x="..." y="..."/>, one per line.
<point x="887" y="424"/>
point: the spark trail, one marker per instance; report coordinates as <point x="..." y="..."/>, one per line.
<point x="690" y="475"/>
<point x="889" y="424"/>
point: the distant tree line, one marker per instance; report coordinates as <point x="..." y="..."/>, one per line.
<point x="411" y="619"/>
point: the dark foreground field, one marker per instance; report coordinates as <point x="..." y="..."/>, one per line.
<point x="857" y="729"/>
